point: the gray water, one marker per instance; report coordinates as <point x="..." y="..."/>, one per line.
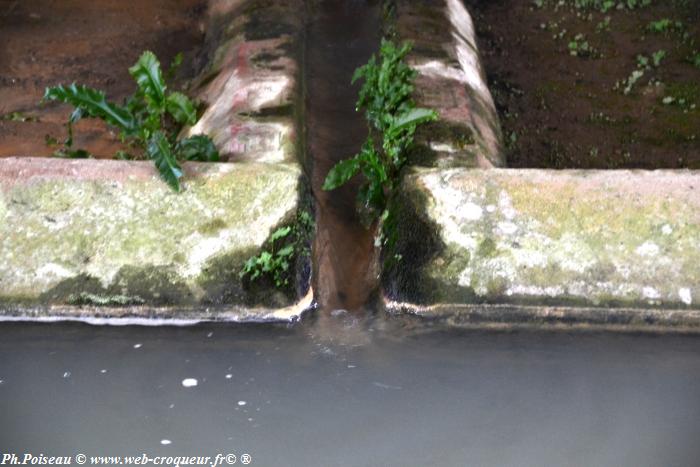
<point x="363" y="395"/>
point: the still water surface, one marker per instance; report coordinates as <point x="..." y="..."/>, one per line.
<point x="300" y="396"/>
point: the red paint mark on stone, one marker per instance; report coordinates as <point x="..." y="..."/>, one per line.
<point x="236" y="145"/>
<point x="242" y="59"/>
<point x="242" y="67"/>
<point x="240" y="98"/>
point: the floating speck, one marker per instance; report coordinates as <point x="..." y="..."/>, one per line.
<point x="386" y="386"/>
<point x="242" y="403"/>
<point x="250" y="419"/>
<point x="189" y="382"/>
<point x="210" y="334"/>
<point x="66" y="374"/>
<point x="229" y="376"/>
<point x="351" y="366"/>
<point x="103" y="371"/>
<point x="171" y="406"/>
<point x="2" y="381"/>
<point x="165" y="442"/>
<point x="137" y="346"/>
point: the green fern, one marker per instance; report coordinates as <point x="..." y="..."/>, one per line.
<point x="143" y="121"/>
<point x="392" y="118"/>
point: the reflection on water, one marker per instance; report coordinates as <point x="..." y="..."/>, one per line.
<point x="362" y="392"/>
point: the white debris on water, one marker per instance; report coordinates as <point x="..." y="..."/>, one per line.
<point x="685" y="295"/>
<point x="351" y="366"/>
<point x="189" y="382"/>
<point x="66" y="374"/>
<point x="229" y="376"/>
<point x="242" y="403"/>
<point x="210" y="334"/>
<point x="386" y="386"/>
<point x="103" y="371"/>
<point x="137" y="346"/>
<point x="165" y="442"/>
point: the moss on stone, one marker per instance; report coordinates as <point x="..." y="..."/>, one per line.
<point x="63" y="238"/>
<point x="566" y="237"/>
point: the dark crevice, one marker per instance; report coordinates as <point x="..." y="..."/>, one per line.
<point x="341" y="35"/>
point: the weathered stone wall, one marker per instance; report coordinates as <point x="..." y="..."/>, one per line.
<point x="450" y="80"/>
<point x="594" y="238"/>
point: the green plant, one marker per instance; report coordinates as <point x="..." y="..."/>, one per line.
<point x="664" y="25"/>
<point x="646" y="63"/>
<point x="603" y="25"/>
<point x="604" y="6"/>
<point x="694" y="59"/>
<point x="283" y="245"/>
<point x="579" y="46"/>
<point x="631" y="80"/>
<point x="18" y="117"/>
<point x="657" y="57"/>
<point x="148" y="120"/>
<point x="392" y="119"/>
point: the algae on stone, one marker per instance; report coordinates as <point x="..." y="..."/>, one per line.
<point x="570" y="237"/>
<point x="62" y="238"/>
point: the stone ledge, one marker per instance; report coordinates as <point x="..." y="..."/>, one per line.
<point x="452" y="81"/>
<point x="516" y="317"/>
<point x="584" y="238"/>
<point x="153" y="316"/>
<point x="251" y="84"/>
<point x="111" y="233"/>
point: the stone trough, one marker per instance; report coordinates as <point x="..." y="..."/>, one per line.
<point x="481" y="245"/>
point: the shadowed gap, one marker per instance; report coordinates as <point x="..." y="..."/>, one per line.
<point x="341" y="36"/>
